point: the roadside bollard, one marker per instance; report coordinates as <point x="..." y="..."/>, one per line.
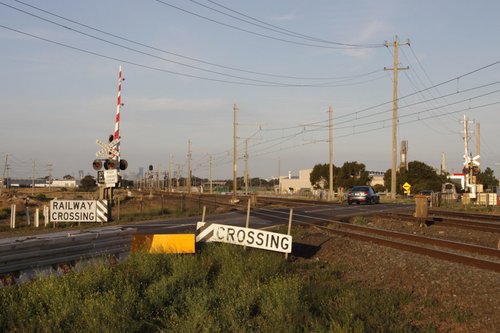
<point x="36" y="221"/>
<point x="13" y="216"/>
<point x="28" y="222"/>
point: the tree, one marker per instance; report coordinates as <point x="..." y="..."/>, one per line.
<point x="419" y="175"/>
<point x="347" y="176"/>
<point x="88" y="183"/>
<point x="351" y="174"/>
<point x="487" y="178"/>
<point x="379" y="188"/>
<point x="319" y="176"/>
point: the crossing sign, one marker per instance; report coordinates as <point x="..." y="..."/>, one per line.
<point x="107" y="149"/>
<point x="212" y="232"/>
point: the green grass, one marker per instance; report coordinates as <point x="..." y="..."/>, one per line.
<point x="222" y="288"/>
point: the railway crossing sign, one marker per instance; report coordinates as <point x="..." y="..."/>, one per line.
<point x="212" y="232"/>
<point x="78" y="211"/>
<point x="407" y="188"/>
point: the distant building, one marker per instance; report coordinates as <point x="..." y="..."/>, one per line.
<point x="63" y="183"/>
<point x="377" y="178"/>
<point x="291" y="185"/>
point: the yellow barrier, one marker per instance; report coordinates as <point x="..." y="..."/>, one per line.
<point x="164" y="243"/>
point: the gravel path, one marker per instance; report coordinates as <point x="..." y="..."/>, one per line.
<point x="456" y="298"/>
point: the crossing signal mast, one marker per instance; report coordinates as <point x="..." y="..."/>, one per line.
<point x="471" y="164"/>
<point x="109" y="156"/>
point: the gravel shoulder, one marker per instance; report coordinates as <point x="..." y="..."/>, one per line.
<point x="454" y="297"/>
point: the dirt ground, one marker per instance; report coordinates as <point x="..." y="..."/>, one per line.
<point x="454" y="297"/>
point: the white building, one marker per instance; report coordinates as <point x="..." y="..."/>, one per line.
<point x="294" y="184"/>
<point x="63" y="183"/>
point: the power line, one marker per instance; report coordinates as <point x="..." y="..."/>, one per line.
<point x="277" y="29"/>
<point x="191" y="58"/>
<point x="156" y="68"/>
<point x="343" y="47"/>
<point x="260" y="83"/>
<point x="425" y="89"/>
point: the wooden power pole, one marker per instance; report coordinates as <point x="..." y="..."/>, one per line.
<point x="188" y="180"/>
<point x="330" y="141"/>
<point x="395" y="69"/>
<point x="235" y="150"/>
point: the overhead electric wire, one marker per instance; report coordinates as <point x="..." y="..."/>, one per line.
<point x="416" y="86"/>
<point x="156" y="68"/>
<point x="425" y="89"/>
<point x="138" y="51"/>
<point x="426" y="110"/>
<point x="280" y="30"/>
<point x="249" y="31"/>
<point x="264" y="151"/>
<point x="191" y="58"/>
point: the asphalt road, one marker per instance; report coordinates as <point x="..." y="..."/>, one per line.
<point x="268" y="217"/>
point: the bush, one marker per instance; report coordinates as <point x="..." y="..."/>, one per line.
<point x="41" y="197"/>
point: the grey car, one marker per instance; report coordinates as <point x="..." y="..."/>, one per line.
<point x="362" y="194"/>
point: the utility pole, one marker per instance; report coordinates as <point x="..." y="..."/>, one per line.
<point x="246" y="166"/>
<point x="5" y="169"/>
<point x="395" y="69"/>
<point x="170" y="174"/>
<point x="478" y="142"/>
<point x="178" y="176"/>
<point x="158" y="188"/>
<point x="235" y="152"/>
<point x="49" y="167"/>
<point x="210" y="174"/>
<point x="33" y="179"/>
<point x="189" y="167"/>
<point x="279" y="173"/>
<point x="330" y="141"/>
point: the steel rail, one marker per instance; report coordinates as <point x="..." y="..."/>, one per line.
<point x="465" y="215"/>
<point x="447" y="222"/>
<point x="376" y="235"/>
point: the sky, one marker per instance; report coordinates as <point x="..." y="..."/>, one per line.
<point x="283" y="64"/>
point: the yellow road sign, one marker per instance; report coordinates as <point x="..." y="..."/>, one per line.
<point x="407" y="187"/>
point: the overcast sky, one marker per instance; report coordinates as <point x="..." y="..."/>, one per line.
<point x="283" y="63"/>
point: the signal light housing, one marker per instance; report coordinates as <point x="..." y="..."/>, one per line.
<point x="97" y="165"/>
<point x="109" y="164"/>
<point x="123" y="164"/>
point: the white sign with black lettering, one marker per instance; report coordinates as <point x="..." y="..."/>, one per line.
<point x="212" y="232"/>
<point x="78" y="211"/>
<point x="110" y="177"/>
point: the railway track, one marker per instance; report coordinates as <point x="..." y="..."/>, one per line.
<point x="486" y="225"/>
<point x="463" y="253"/>
<point x="465" y="215"/>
